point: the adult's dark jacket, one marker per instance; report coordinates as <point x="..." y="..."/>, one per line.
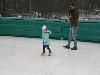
<point x="74" y="16"/>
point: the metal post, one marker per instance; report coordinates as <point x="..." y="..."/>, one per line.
<point x="90" y="1"/>
<point x="30" y="8"/>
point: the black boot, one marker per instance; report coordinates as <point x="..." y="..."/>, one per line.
<point x="68" y="47"/>
<point x="74" y="48"/>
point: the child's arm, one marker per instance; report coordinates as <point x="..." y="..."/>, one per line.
<point x="48" y="31"/>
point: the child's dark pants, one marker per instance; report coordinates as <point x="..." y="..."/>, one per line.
<point x="44" y="46"/>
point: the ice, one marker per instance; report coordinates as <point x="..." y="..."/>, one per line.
<point x="21" y="56"/>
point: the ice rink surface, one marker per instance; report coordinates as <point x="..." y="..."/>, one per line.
<point x="21" y="56"/>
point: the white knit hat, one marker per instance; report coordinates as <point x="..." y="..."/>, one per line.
<point x="43" y="28"/>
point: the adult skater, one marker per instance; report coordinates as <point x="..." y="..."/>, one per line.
<point x="73" y="17"/>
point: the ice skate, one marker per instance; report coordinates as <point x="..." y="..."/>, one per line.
<point x="42" y="54"/>
<point x="50" y="54"/>
<point x="74" y="48"/>
<point x="68" y="47"/>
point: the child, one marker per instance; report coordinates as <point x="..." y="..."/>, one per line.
<point x="45" y="38"/>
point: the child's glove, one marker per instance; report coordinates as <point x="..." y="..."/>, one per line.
<point x="50" y="32"/>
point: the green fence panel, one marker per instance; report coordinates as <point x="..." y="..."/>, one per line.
<point x="88" y="30"/>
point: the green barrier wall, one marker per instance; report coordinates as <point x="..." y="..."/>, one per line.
<point x="88" y="30"/>
<point x="29" y="27"/>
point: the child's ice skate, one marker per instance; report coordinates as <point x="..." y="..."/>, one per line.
<point x="50" y="54"/>
<point x="42" y="54"/>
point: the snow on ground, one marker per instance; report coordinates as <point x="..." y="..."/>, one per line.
<point x="21" y="56"/>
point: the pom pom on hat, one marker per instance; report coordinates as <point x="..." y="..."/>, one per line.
<point x="44" y="27"/>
